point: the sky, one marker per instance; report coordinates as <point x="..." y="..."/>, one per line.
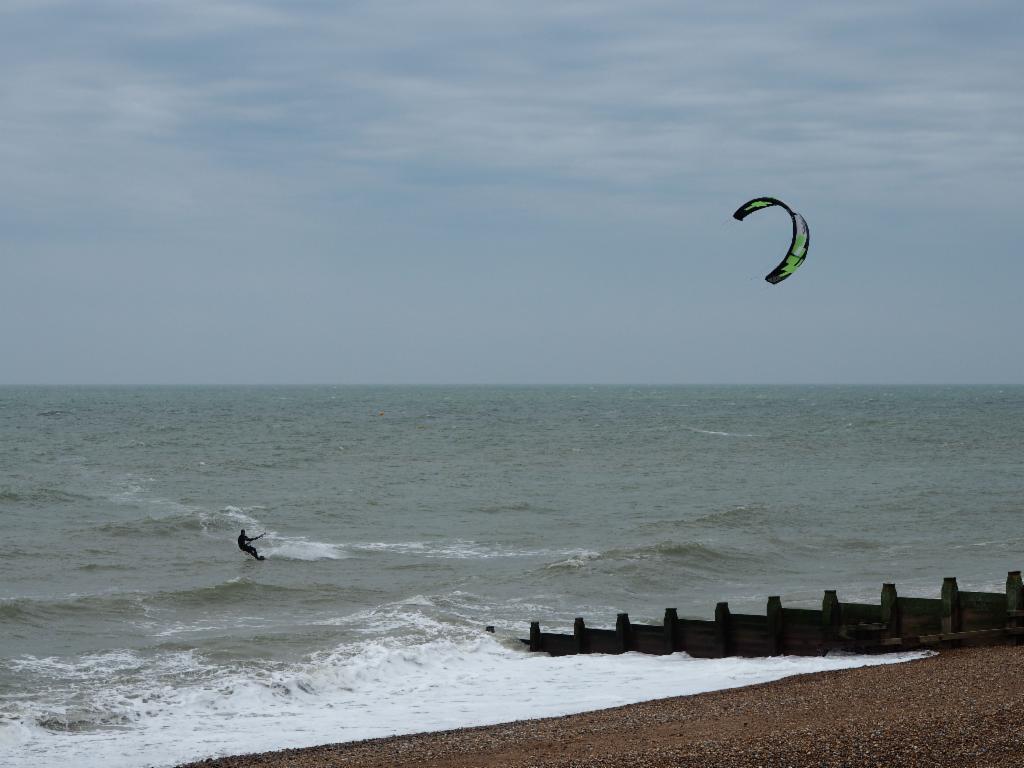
<point x="530" y="192"/>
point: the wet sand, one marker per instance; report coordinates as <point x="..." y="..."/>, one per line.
<point x="963" y="707"/>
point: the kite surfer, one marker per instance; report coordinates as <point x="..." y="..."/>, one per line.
<point x="245" y="546"/>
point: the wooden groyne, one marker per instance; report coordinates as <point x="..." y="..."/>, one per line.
<point x="895" y="624"/>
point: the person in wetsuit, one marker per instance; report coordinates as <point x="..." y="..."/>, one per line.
<point x="243" y="544"/>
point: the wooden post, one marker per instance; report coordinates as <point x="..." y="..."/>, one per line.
<point x="723" y="633"/>
<point x="535" y="643"/>
<point x="1014" y="601"/>
<point x="951" y="608"/>
<point x="774" y="625"/>
<point x="891" y="611"/>
<point x="623" y="632"/>
<point x="579" y="633"/>
<point x="671" y="630"/>
<point x="830" y="616"/>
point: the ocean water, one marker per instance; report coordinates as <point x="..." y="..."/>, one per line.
<point x="401" y="521"/>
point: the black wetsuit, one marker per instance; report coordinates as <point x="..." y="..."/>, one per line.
<point x="243" y="544"/>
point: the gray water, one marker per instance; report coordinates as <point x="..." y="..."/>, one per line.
<point x="398" y="517"/>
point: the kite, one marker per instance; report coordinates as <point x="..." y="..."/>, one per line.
<point x="801" y="237"/>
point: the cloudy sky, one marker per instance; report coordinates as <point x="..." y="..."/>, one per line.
<point x="473" y="191"/>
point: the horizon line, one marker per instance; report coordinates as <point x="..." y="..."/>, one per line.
<point x="523" y="384"/>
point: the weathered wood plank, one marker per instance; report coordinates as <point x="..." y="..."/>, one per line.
<point x="957" y="617"/>
<point x="911" y="640"/>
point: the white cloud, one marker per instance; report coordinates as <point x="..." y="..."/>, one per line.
<point x="614" y="95"/>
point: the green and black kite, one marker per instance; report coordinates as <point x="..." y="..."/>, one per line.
<point x="801" y="236"/>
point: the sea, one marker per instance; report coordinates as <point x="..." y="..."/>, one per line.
<point x="399" y="523"/>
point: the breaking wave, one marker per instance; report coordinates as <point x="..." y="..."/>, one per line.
<point x="130" y="709"/>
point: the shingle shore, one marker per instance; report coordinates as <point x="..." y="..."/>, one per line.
<point x="964" y="707"/>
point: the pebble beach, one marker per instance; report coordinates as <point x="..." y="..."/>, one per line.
<point x="961" y="707"/>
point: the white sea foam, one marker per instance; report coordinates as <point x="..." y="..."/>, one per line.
<point x="578" y="560"/>
<point x="364" y="690"/>
<point x="300" y="549"/>
<point x="240" y="515"/>
<point x="459" y="549"/>
<point x="722" y="434"/>
<point x="83" y="668"/>
<point x="401" y="616"/>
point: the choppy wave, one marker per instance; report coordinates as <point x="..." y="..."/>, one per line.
<point x="735" y="517"/>
<point x="238" y="514"/>
<point x="87" y="567"/>
<point x="38" y="495"/>
<point x="85" y="667"/>
<point x="700" y="561"/>
<point x="578" y="560"/>
<point x="241" y="590"/>
<point x="146" y="527"/>
<point x="689" y="554"/>
<point x="83" y="720"/>
<point x="514" y="506"/>
<point x="410" y="616"/>
<point x="171" y="518"/>
<point x="40" y="612"/>
<point x="125" y="606"/>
